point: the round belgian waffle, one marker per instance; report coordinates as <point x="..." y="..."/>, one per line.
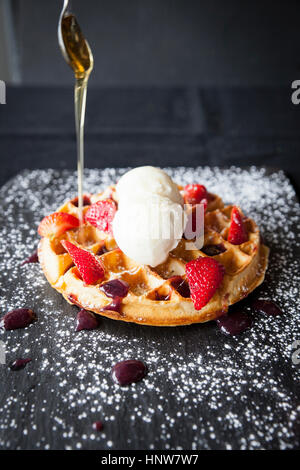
<point x="157" y="296"/>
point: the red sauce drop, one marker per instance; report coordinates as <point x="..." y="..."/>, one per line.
<point x="234" y="323"/>
<point x="18" y="318"/>
<point x="98" y="426"/>
<point x="115" y="288"/>
<point x="267" y="306"/>
<point x="86" y="321"/>
<point x="19" y="364"/>
<point x="31" y="259"/>
<point x="128" y="372"/>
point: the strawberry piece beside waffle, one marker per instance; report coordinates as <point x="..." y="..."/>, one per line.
<point x="89" y="267"/>
<point x="56" y="224"/>
<point x="237" y="231"/>
<point x="195" y="193"/>
<point x="101" y="214"/>
<point x="204" y="276"/>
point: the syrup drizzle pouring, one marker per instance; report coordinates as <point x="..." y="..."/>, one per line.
<point x="78" y="55"/>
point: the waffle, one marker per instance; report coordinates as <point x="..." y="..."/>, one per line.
<point x="157" y="296"/>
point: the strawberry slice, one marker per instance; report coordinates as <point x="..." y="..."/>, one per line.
<point x="101" y="214"/>
<point x="89" y="267"/>
<point x="204" y="277"/>
<point x="237" y="231"/>
<point x="194" y="193"/>
<point x="56" y="224"/>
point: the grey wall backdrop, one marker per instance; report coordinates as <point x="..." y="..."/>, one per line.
<point x="164" y="42"/>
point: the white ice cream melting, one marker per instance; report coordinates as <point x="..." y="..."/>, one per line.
<point x="150" y="219"/>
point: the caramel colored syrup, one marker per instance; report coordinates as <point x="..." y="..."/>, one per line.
<point x="78" y="55"/>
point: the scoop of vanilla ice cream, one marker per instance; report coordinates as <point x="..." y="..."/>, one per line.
<point x="147" y="228"/>
<point x="147" y="180"/>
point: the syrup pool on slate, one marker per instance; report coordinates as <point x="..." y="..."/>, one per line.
<point x="78" y="55"/>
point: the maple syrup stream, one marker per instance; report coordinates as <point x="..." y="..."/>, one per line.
<point x="78" y="55"/>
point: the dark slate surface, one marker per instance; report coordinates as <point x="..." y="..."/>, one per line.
<point x="203" y="391"/>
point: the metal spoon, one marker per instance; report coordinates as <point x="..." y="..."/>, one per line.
<point x="74" y="46"/>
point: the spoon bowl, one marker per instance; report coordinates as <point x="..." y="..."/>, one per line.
<point x="74" y="47"/>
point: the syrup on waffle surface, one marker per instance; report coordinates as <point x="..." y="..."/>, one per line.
<point x="158" y="296"/>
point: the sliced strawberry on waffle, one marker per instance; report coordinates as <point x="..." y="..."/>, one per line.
<point x="204" y="276"/>
<point x="195" y="193"/>
<point x="237" y="231"/>
<point x="89" y="267"/>
<point x="101" y="214"/>
<point x="56" y="224"/>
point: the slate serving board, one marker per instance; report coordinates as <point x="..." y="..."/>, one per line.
<point x="203" y="391"/>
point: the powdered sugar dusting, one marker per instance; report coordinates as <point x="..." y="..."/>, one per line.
<point x="203" y="390"/>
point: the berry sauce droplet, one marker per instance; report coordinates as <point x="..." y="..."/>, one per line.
<point x="18" y="318"/>
<point x="213" y="250"/>
<point x="86" y="321"/>
<point x="114" y="306"/>
<point x="102" y="250"/>
<point x="163" y="297"/>
<point x="85" y="199"/>
<point x="115" y="288"/>
<point x="127" y="372"/>
<point x="19" y="364"/>
<point x="98" y="426"/>
<point x="267" y="306"/>
<point x="31" y="259"/>
<point x="181" y="285"/>
<point x="234" y="323"/>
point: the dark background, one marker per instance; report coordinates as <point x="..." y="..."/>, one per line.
<point x="165" y="42"/>
<point x="174" y="83"/>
